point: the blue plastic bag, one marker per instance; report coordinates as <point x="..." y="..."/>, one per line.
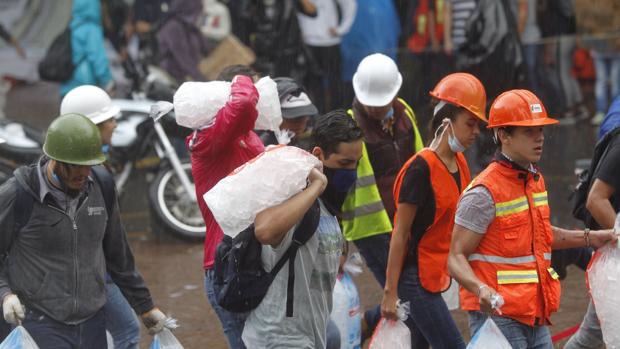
<point x="346" y="312"/>
<point x="164" y="340"/>
<point x="19" y="339"/>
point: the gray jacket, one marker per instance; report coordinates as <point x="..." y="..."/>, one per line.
<point x="56" y="264"/>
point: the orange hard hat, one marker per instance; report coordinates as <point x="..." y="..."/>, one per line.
<point x="518" y="108"/>
<point x="463" y="90"/>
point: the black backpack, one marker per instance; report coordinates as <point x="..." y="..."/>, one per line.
<point x="240" y="282"/>
<point x="57" y="65"/>
<point x="582" y="189"/>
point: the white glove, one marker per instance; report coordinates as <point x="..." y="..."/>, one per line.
<point x="13" y="309"/>
<point x="155" y="321"/>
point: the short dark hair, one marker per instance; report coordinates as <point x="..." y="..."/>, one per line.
<point x="334" y="128"/>
<point x="507" y="129"/>
<point x="233" y="70"/>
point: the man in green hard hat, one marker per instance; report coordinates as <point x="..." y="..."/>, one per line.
<point x="60" y="228"/>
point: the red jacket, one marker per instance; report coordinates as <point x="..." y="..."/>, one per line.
<point x="216" y="151"/>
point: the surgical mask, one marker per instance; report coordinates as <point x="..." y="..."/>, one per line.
<point x="339" y="182"/>
<point x="454" y="143"/>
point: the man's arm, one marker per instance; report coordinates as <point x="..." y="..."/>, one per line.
<point x="121" y="266"/>
<point x="349" y="8"/>
<point x="8" y="193"/>
<point x="235" y="119"/>
<point x="598" y="204"/>
<point x="464" y="243"/>
<point x="272" y="224"/>
<point x="563" y="238"/>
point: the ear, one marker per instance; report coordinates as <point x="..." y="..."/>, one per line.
<point x="318" y="152"/>
<point x="503" y="136"/>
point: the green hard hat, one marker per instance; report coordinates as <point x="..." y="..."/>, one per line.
<point x="74" y="139"/>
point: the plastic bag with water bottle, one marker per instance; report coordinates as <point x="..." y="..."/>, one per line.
<point x="346" y="312"/>
<point x="19" y="339"/>
<point x="604" y="281"/>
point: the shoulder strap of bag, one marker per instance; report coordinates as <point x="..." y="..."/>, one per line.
<point x="106" y="181"/>
<point x="304" y="231"/>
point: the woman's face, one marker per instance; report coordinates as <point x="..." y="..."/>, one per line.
<point x="106" y="129"/>
<point x="466" y="127"/>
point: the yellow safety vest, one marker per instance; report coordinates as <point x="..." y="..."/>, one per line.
<point x="363" y="213"/>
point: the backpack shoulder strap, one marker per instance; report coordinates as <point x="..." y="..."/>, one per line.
<point x="304" y="231"/>
<point x="108" y="187"/>
<point x="22" y="207"/>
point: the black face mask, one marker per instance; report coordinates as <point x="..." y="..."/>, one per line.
<point x="339" y="181"/>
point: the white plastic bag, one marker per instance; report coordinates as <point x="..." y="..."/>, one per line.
<point x="489" y="336"/>
<point x="265" y="181"/>
<point x="604" y="282"/>
<point x="197" y="103"/>
<point x="391" y="334"/>
<point x="354" y="264"/>
<point x="346" y="312"/>
<point x="19" y="339"/>
<point x="269" y="112"/>
<point x="165" y="340"/>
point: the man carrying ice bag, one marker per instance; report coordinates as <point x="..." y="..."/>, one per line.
<point x="281" y="189"/>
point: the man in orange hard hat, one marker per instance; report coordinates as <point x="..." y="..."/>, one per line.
<point x="502" y="238"/>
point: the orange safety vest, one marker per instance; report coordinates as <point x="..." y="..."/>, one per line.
<point x="514" y="256"/>
<point x="433" y="247"/>
<point x="421" y="38"/>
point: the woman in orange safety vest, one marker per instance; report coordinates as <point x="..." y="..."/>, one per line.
<point x="502" y="239"/>
<point x="426" y="192"/>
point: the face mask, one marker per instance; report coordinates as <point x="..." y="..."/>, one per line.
<point x="454" y="143"/>
<point x="339" y="181"/>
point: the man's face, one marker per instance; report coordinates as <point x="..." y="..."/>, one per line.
<point x="347" y="156"/>
<point x="106" y="129"/>
<point x="296" y="125"/>
<point x="525" y="144"/>
<point x="377" y="113"/>
<point x="73" y="176"/>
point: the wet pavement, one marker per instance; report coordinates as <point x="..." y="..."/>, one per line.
<point x="173" y="268"/>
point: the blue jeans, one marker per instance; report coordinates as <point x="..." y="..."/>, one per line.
<point x="121" y="321"/>
<point x="51" y="334"/>
<point x="375" y="250"/>
<point x="607" y="70"/>
<point x="232" y="323"/>
<point x="429" y="314"/>
<point x="520" y="336"/>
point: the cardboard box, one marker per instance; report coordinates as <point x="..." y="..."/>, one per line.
<point x="229" y="51"/>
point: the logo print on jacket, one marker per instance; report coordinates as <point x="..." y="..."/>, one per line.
<point x="95" y="211"/>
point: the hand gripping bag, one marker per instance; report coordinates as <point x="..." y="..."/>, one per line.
<point x="346" y="312"/>
<point x="19" y="339"/>
<point x="265" y="181"/>
<point x="165" y="340"/>
<point x="489" y="336"/>
<point x="603" y="276"/>
<point x="393" y="334"/>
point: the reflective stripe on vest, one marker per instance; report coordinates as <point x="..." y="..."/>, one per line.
<point x="517" y="277"/>
<point x="511" y="207"/>
<point x="505" y="260"/>
<point x="540" y="199"/>
<point x="363" y="213"/>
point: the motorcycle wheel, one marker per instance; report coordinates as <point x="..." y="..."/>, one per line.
<point x="172" y="211"/>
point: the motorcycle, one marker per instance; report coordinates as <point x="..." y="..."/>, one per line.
<point x="148" y="138"/>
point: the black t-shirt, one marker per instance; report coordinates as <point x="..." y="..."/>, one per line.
<point x="416" y="189"/>
<point x="609" y="170"/>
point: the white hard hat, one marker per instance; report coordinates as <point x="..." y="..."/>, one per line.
<point x="90" y="101"/>
<point x="377" y="80"/>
